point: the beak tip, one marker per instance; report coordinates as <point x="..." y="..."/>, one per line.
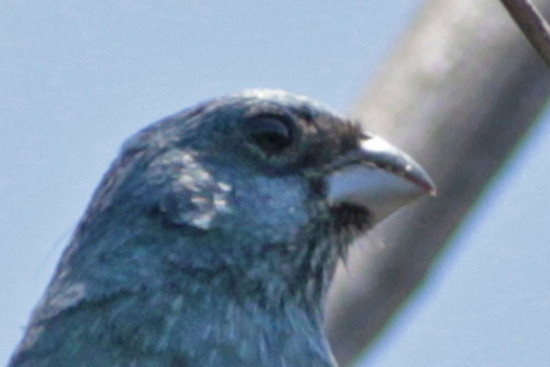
<point x="418" y="175"/>
<point x="429" y="186"/>
<point x="378" y="149"/>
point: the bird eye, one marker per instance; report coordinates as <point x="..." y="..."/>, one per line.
<point x="271" y="133"/>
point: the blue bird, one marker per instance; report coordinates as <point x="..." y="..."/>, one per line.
<point x="213" y="238"/>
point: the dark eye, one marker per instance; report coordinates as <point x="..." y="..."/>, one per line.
<point x="271" y="133"/>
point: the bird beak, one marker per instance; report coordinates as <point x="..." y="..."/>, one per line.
<point x="377" y="177"/>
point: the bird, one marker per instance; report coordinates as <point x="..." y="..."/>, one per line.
<point x="213" y="238"/>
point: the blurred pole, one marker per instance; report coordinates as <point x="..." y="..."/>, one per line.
<point x="532" y="24"/>
<point x="459" y="92"/>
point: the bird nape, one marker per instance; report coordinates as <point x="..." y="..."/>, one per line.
<point x="213" y="238"/>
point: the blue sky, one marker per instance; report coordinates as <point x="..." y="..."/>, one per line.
<point x="77" y="78"/>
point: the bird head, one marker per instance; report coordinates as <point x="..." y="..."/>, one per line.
<point x="261" y="191"/>
<point x="215" y="234"/>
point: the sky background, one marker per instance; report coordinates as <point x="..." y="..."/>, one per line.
<point x="77" y="78"/>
